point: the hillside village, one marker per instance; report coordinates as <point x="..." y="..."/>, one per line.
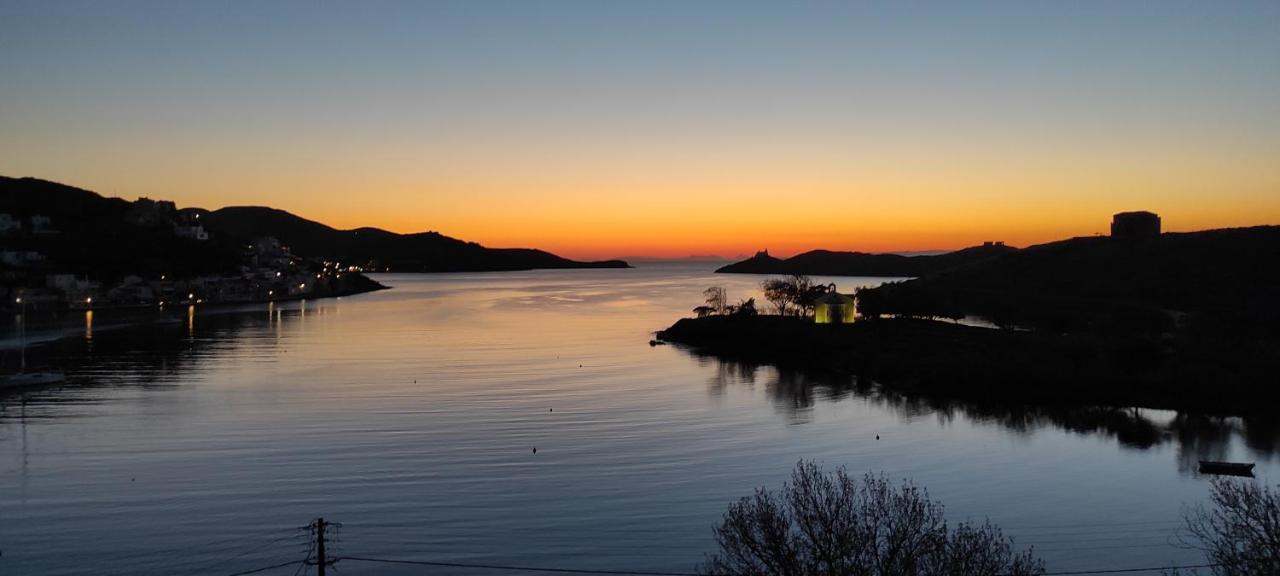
<point x="33" y="277"/>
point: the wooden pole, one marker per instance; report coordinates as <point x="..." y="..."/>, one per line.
<point x="321" y="561"/>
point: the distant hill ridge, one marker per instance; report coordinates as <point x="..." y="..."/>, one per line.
<point x="85" y="211"/>
<point x="1229" y="271"/>
<point x="831" y="263"/>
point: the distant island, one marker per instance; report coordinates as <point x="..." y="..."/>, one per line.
<point x="1186" y="321"/>
<point x="830" y="263"/>
<point x="67" y="247"/>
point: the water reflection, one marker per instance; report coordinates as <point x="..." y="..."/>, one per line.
<point x="145" y="353"/>
<point x="152" y="355"/>
<point x="412" y="412"/>
<point x="1197" y="437"/>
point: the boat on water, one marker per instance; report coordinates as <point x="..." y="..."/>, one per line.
<point x="25" y="379"/>
<point x="1226" y="468"/>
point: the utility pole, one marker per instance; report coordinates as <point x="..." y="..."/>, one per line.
<point x="321" y="561"/>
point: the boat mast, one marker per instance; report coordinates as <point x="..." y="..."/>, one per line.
<point x="22" y="336"/>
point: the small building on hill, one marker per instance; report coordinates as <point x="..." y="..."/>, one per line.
<point x="9" y="224"/>
<point x="1135" y="225"/>
<point x="834" y="308"/>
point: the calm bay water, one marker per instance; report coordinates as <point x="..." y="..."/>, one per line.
<point x="197" y="444"/>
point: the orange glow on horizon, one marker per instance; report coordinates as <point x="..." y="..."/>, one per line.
<point x="790" y="231"/>
<point x="731" y="200"/>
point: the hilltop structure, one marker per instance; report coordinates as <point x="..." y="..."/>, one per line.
<point x="1135" y="225"/>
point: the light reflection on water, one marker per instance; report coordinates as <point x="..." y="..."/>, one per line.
<point x="198" y="441"/>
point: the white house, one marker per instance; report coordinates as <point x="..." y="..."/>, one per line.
<point x="42" y="225"/>
<point x="19" y="259"/>
<point x="9" y="224"/>
<point x="834" y="308"/>
<point x="195" y="232"/>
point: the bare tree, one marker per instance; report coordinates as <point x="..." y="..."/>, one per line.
<point x="780" y="293"/>
<point x="807" y="293"/>
<point x="717" y="299"/>
<point x="795" y="294"/>
<point x="823" y="524"/>
<point x="1240" y="530"/>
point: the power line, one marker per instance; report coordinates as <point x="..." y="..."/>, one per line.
<point x="304" y="567"/>
<point x="1088" y="525"/>
<point x="1130" y="570"/>
<point x="1116" y="538"/>
<point x="317" y="547"/>
<point x="1104" y="547"/>
<point x="251" y="551"/>
<point x="643" y="573"/>
<point x="514" y="568"/>
<point x="1099" y="530"/>
<point x="265" y="568"/>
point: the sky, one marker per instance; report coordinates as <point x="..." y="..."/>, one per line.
<point x="606" y="129"/>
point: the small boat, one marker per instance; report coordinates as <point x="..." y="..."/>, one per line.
<point x="1226" y="468"/>
<point x="24" y="379"/>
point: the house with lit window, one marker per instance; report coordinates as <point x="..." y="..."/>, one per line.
<point x="834" y="308"/>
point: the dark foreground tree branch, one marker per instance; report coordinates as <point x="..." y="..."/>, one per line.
<point x="1240" y="529"/>
<point x="822" y="524"/>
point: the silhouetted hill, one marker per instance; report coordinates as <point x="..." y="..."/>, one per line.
<point x="829" y="263"/>
<point x="111" y="237"/>
<point x="1185" y="321"/>
<point x="28" y="196"/>
<point x="94" y="235"/>
<point x="421" y="252"/>
<point x="1066" y="284"/>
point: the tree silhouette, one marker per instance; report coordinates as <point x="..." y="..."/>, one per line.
<point x="717" y="299"/>
<point x="779" y="293"/>
<point x="823" y="524"/>
<point x="1240" y="531"/>
<point x="796" y="294"/>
